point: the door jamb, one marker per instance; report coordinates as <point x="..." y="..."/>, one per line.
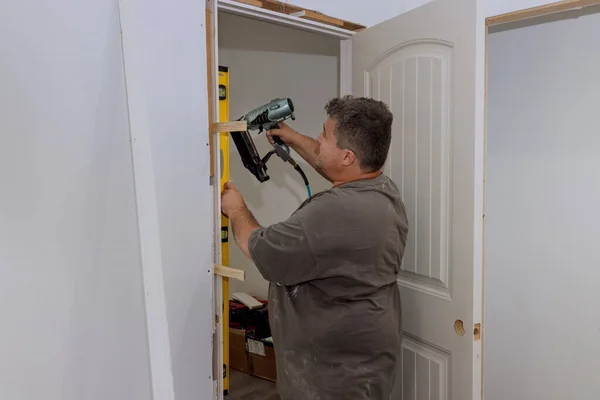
<point x="157" y="324"/>
<point x="345" y="67"/>
<point x="345" y="87"/>
<point x="539" y="11"/>
<point x="247" y="10"/>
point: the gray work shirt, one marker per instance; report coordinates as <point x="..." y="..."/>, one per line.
<point x="334" y="304"/>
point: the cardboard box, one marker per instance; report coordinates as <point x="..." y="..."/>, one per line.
<point x="238" y="355"/>
<point x="261" y="360"/>
<point x="248" y="351"/>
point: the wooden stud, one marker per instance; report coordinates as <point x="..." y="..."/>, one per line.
<point x="351" y="26"/>
<point x="281" y="7"/>
<point x="227" y="272"/>
<point x="231" y="126"/>
<point x="255" y="3"/>
<point x="539" y="11"/>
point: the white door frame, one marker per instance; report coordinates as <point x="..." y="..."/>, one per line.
<point x="235" y="7"/>
<point x="345" y="87"/>
<point x="159" y="345"/>
<point x="262" y="14"/>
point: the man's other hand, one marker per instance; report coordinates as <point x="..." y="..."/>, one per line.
<point x="231" y="199"/>
<point x="285" y="133"/>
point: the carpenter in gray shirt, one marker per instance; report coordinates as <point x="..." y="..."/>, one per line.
<point x="334" y="305"/>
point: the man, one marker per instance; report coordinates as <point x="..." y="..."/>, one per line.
<point x="334" y="305"/>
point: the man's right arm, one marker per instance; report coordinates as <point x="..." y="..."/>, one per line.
<point x="305" y="146"/>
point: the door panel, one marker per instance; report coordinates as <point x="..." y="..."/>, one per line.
<point x="414" y="81"/>
<point x="425" y="65"/>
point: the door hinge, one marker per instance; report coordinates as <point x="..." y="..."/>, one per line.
<point x="477" y="332"/>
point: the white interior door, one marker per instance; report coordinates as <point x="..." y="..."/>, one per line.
<point x="428" y="66"/>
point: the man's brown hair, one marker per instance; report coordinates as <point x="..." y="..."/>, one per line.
<point x="363" y="125"/>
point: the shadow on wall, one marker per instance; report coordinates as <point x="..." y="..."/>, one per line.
<point x="267" y="61"/>
<point x="241" y="33"/>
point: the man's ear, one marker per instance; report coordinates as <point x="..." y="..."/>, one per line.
<point x="348" y="158"/>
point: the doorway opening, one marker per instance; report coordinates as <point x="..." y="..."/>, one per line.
<point x="543" y="147"/>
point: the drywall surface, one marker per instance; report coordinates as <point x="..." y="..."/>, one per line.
<point x="378" y="11"/>
<point x="73" y="317"/>
<point x="73" y="321"/>
<point x="173" y="47"/>
<point x="268" y="61"/>
<point x="542" y="331"/>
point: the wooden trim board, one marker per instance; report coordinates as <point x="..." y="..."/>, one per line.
<point x="546" y="9"/>
<point x="247" y="300"/>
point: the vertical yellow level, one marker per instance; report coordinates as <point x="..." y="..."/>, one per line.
<point x="224" y="150"/>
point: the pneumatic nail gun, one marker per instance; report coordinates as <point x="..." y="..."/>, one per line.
<point x="266" y="117"/>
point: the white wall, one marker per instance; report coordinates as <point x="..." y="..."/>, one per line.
<point x="542" y="335"/>
<point x="72" y="307"/>
<point x="268" y="61"/>
<point x="72" y="310"/>
<point x="380" y="10"/>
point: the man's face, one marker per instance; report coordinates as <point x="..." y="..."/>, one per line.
<point x="328" y="153"/>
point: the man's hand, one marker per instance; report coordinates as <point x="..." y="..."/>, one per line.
<point x="231" y="199"/>
<point x="285" y="133"/>
<point x="242" y="221"/>
<point x="305" y="146"/>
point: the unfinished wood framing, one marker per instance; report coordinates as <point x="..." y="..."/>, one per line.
<point x="300" y="12"/>
<point x="546" y="9"/>
<point x="228" y="272"/>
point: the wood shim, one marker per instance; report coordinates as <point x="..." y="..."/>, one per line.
<point x="540" y="11"/>
<point x="227" y="272"/>
<point x="313" y="15"/>
<point x="231" y="126"/>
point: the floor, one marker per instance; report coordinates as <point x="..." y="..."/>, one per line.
<point x="247" y="387"/>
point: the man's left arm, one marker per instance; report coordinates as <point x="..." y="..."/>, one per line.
<point x="243" y="224"/>
<point x="281" y="252"/>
